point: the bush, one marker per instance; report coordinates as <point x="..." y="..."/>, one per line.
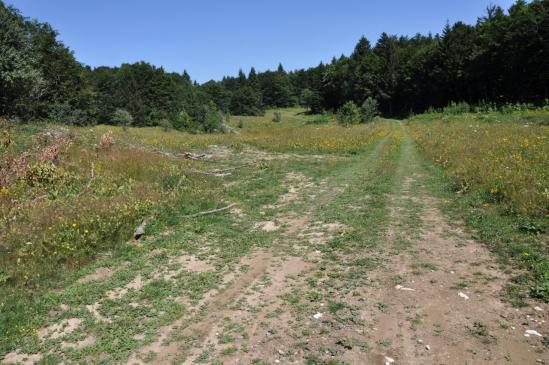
<point x="348" y="114"/>
<point x="368" y="110"/>
<point x="183" y="121"/>
<point x="122" y="117"/>
<point x="165" y="124"/>
<point x="323" y="118"/>
<point x="485" y="107"/>
<point x="509" y="108"/>
<point x="457" y="108"/>
<point x="41" y="174"/>
<point x="277" y="118"/>
<point x="210" y="120"/>
<point x="66" y="114"/>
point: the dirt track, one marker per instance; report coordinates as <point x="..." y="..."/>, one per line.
<point x="363" y="268"/>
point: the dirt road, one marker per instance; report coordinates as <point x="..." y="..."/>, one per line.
<point x="355" y="262"/>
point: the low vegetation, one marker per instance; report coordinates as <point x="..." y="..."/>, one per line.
<point x="499" y="163"/>
<point x="93" y="186"/>
<point x="279" y="216"/>
<point x="502" y="156"/>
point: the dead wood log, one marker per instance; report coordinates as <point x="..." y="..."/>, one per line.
<point x="210" y="211"/>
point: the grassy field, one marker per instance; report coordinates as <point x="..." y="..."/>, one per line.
<point x="500" y="164"/>
<point x="322" y="224"/>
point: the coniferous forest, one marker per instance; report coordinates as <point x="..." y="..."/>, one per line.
<point x="503" y="58"/>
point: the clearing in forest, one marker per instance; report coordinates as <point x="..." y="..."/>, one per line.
<point x="348" y="258"/>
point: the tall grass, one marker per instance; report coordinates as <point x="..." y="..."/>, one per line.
<point x="63" y="213"/>
<point x="507" y="161"/>
<point x="499" y="162"/>
<point x="296" y="133"/>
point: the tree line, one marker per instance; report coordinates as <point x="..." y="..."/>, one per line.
<point x="503" y="58"/>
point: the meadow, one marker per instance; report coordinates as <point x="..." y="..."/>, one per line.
<point x="499" y="164"/>
<point x="502" y="156"/>
<point x="70" y="193"/>
<point x="396" y="200"/>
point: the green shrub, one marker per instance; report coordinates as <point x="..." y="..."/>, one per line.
<point x="485" y="107"/>
<point x="122" y="117"/>
<point x="210" y="119"/>
<point x="348" y="114"/>
<point x="165" y="124"/>
<point x="457" y="108"/>
<point x="323" y="118"/>
<point x="42" y="174"/>
<point x="368" y="110"/>
<point x="183" y="121"/>
<point x="66" y="114"/>
<point x="277" y="118"/>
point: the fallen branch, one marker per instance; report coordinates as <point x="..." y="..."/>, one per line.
<point x="217" y="172"/>
<point x="231" y="168"/>
<point x="210" y="211"/>
<point x="188" y="155"/>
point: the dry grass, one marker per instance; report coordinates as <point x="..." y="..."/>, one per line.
<point x="80" y="200"/>
<point x="67" y="195"/>
<point x="291" y="135"/>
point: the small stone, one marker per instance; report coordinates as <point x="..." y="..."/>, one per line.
<point x="317" y="315"/>
<point x="139" y="231"/>
<point x="420" y="341"/>
<point x="427" y="347"/>
<point x="400" y="287"/>
<point x="532" y="332"/>
<point x="538" y="309"/>
<point x="277" y="361"/>
<point x="389" y="360"/>
<point x="280" y="352"/>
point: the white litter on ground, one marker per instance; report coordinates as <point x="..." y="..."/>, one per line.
<point x="400" y="287"/>
<point x="463" y="295"/>
<point x="528" y="333"/>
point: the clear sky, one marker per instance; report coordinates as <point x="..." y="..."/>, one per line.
<point x="213" y="38"/>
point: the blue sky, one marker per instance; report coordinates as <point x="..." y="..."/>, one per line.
<point x="213" y="38"/>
